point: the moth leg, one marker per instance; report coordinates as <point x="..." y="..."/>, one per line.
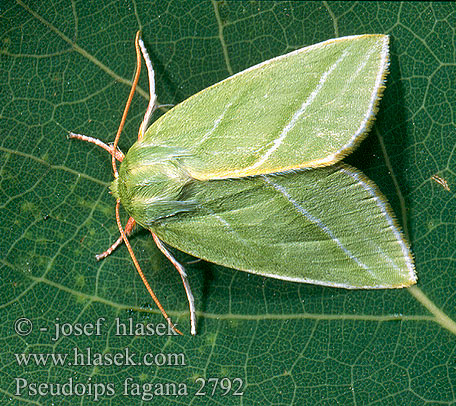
<point x="183" y="274"/>
<point x="131" y="223"/>
<point x="140" y="272"/>
<point x="118" y="154"/>
<point x="151" y="107"/>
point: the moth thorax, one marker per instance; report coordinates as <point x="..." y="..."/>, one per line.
<point x="150" y="183"/>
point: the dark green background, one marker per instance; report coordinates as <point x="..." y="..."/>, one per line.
<point x="67" y="66"/>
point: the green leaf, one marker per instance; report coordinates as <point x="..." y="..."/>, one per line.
<point x="67" y="66"/>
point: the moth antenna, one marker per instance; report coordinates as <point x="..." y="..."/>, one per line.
<point x="127" y="106"/>
<point x="117" y="153"/>
<point x="141" y="274"/>
<point x="183" y="274"/>
<point x="128" y="229"/>
<point x="152" y="96"/>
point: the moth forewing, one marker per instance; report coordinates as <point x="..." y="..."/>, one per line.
<point x="326" y="226"/>
<point x="307" y="108"/>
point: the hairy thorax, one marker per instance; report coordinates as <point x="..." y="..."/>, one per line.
<point x="151" y="183"/>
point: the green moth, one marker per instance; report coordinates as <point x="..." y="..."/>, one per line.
<point x="247" y="172"/>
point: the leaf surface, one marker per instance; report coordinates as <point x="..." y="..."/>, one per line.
<point x="66" y="66"/>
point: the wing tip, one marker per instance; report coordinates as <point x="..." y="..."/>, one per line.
<point x="372" y="112"/>
<point x="401" y="239"/>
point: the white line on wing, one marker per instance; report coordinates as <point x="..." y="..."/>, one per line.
<point x="299" y="113"/>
